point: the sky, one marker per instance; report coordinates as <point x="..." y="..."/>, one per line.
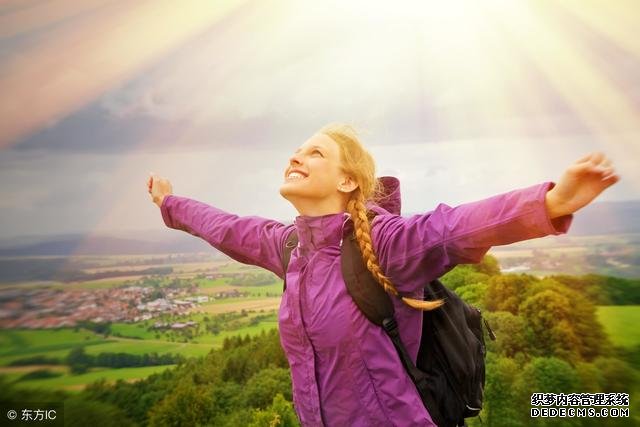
<point x="460" y="101"/>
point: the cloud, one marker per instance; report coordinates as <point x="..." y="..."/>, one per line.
<point x="300" y="67"/>
<point x="455" y="116"/>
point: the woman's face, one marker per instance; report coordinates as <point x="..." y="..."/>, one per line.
<point x="314" y="171"/>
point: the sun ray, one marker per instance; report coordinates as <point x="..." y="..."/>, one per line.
<point x="600" y="104"/>
<point x="72" y="66"/>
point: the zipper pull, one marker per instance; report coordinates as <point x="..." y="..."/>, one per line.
<point x="491" y="334"/>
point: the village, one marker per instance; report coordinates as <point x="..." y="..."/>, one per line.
<point x="55" y="308"/>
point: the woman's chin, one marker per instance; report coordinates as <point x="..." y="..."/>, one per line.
<point x="291" y="189"/>
<point x="286" y="190"/>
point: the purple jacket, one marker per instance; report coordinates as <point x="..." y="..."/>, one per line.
<point x="344" y="369"/>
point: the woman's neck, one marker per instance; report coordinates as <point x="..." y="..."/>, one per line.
<point x="311" y="207"/>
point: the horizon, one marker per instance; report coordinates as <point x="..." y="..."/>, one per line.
<point x="121" y="233"/>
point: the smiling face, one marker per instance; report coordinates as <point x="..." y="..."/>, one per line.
<point x="314" y="181"/>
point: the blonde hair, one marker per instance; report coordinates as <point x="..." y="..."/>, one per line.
<point x="358" y="163"/>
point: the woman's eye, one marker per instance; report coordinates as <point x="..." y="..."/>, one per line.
<point x="316" y="151"/>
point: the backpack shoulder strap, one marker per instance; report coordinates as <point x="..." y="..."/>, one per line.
<point x="366" y="292"/>
<point x="374" y="302"/>
<point x="290" y="243"/>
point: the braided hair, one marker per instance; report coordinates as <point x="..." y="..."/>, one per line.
<point x="359" y="164"/>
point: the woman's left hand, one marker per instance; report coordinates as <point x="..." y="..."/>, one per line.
<point x="582" y="182"/>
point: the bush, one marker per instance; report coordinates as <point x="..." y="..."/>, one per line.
<point x="39" y="374"/>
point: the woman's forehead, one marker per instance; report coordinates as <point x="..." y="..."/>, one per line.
<point x="319" y="141"/>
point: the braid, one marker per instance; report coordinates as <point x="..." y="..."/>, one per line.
<point x="356" y="207"/>
<point x="362" y="228"/>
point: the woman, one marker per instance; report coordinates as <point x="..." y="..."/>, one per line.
<point x="345" y="371"/>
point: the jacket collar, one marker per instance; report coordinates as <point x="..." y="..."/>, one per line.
<point x="316" y="232"/>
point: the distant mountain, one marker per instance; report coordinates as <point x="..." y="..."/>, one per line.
<point x="153" y="242"/>
<point x="607" y="218"/>
<point x="602" y="218"/>
<point x="595" y="219"/>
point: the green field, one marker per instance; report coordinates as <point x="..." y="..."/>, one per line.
<point x="621" y="323"/>
<point x="78" y="382"/>
<point x="212" y="283"/>
<point x="273" y="288"/>
<point x="22" y="343"/>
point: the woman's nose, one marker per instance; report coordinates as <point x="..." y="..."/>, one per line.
<point x="293" y="160"/>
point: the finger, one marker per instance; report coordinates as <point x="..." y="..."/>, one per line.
<point x="598" y="157"/>
<point x="588" y="167"/>
<point x="594" y="157"/>
<point x="585" y="158"/>
<point x="611" y="179"/>
<point x="600" y="160"/>
<point x="591" y="156"/>
<point x="603" y="170"/>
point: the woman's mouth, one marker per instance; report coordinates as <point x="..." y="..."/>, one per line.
<point x="295" y="176"/>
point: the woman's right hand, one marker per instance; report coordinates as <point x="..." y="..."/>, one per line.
<point x="158" y="187"/>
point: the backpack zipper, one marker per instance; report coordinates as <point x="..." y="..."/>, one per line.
<point x="492" y="335"/>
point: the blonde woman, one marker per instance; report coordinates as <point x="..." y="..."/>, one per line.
<point x="345" y="370"/>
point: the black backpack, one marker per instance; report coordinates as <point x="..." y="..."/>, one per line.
<point x="450" y="369"/>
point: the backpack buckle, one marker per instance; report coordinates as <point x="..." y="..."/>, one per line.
<point x="389" y="324"/>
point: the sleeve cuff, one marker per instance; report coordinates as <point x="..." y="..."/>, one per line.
<point x="164" y="210"/>
<point x="557" y="225"/>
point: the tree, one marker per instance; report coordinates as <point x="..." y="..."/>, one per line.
<point x="489" y="266"/>
<point x="186" y="405"/>
<point x="505" y="292"/>
<point x="81" y="412"/>
<point x="473" y="294"/>
<point x="548" y="325"/>
<point x="617" y="375"/>
<point x="591" y="378"/>
<point x="509" y="330"/>
<point x="546" y="375"/>
<point x="501" y="407"/>
<point x="78" y="360"/>
<point x="279" y="414"/>
<point x="558" y="313"/>
<point x="260" y="389"/>
<point x="463" y="275"/>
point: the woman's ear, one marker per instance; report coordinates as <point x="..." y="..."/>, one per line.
<point x="347" y="184"/>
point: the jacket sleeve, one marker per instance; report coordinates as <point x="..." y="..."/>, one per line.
<point x="250" y="239"/>
<point x="429" y="245"/>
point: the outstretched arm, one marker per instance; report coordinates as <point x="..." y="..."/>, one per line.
<point x="428" y="245"/>
<point x="250" y="239"/>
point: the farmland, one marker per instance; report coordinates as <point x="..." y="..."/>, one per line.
<point x="197" y="308"/>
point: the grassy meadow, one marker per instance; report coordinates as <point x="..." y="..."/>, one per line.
<point x="621" y="323"/>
